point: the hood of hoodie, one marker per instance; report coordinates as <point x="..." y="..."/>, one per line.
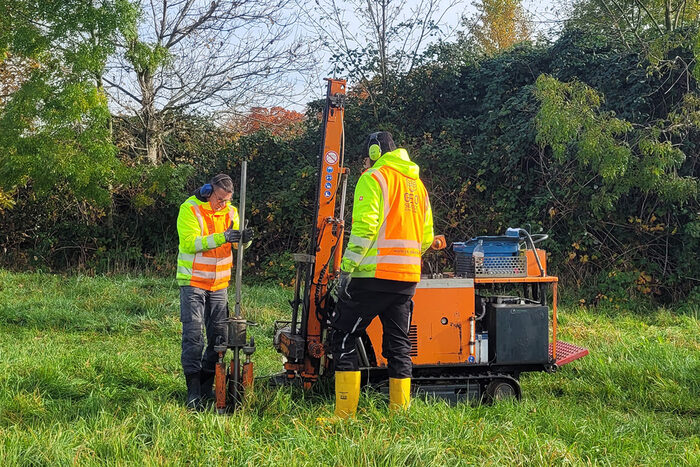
<point x="398" y="160"/>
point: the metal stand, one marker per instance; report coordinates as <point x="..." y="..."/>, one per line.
<point x="231" y="387"/>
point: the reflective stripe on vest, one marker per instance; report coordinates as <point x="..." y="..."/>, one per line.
<point x="210" y="269"/>
<point x="396" y="251"/>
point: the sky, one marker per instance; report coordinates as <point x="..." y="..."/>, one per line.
<point x="546" y="15"/>
<point x="294" y="90"/>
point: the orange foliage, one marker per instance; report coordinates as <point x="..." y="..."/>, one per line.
<point x="359" y="92"/>
<point x="277" y="120"/>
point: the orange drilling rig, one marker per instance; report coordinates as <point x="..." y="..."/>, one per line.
<point x="470" y="340"/>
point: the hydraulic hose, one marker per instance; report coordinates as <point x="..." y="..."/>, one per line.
<point x="528" y="239"/>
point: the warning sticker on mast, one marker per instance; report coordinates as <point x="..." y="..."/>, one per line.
<point x="331" y="157"/>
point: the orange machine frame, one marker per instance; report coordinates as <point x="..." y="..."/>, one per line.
<point x="326" y="246"/>
<point x="442" y="327"/>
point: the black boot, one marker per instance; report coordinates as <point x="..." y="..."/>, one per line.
<point x="194" y="394"/>
<point x="206" y="389"/>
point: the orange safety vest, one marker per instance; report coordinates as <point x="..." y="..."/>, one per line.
<point x="210" y="269"/>
<point x="400" y="235"/>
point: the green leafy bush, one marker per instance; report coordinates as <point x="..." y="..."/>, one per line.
<point x="582" y="139"/>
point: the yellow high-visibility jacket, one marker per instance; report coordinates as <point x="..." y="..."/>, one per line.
<point x="392" y="222"/>
<point x="204" y="258"/>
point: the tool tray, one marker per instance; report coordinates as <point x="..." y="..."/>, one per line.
<point x="490" y="266"/>
<point x="501" y="258"/>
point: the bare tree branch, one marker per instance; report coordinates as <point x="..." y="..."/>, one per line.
<point x="615" y="23"/>
<point x="632" y="28"/>
<point x="375" y="37"/>
<point x="651" y="18"/>
<point x="121" y="88"/>
<point x="205" y="55"/>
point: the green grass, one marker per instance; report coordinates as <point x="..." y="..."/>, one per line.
<point x="90" y="374"/>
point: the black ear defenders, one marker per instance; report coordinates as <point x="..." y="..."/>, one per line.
<point x="375" y="150"/>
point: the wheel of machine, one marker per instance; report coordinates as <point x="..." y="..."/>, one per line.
<point x="501" y="389"/>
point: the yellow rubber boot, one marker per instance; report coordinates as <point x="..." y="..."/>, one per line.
<point x="347" y="393"/>
<point x="399" y="393"/>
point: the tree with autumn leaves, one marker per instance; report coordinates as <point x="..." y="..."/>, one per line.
<point x="276" y="120"/>
<point x="498" y="25"/>
<point x="13" y="72"/>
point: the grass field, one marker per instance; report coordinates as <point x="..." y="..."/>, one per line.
<point x="90" y="374"/>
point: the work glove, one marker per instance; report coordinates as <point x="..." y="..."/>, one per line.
<point x="343" y="283"/>
<point x="247" y="235"/>
<point x="232" y="236"/>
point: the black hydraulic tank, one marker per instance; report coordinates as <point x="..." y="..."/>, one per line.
<point x="518" y="333"/>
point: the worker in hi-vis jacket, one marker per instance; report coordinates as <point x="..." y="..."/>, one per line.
<point x="392" y="226"/>
<point x="208" y="228"/>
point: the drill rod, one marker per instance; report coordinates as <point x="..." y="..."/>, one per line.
<point x="241" y="226"/>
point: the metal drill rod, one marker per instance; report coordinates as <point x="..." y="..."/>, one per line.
<point x="343" y="176"/>
<point x="236" y="347"/>
<point x="241" y="226"/>
<point x="338" y="251"/>
<point x="344" y="184"/>
<point x="236" y="378"/>
<point x="297" y="301"/>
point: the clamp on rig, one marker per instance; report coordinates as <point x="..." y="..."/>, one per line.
<point x="232" y="385"/>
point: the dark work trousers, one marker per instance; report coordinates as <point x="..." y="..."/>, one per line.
<point x="355" y="311"/>
<point x="199" y="307"/>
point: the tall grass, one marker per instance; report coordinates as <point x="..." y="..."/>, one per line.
<point x="90" y="374"/>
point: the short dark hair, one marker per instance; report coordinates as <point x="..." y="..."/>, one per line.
<point x="223" y="182"/>
<point x="386" y="142"/>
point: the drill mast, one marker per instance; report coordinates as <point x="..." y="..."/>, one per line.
<point x="301" y="339"/>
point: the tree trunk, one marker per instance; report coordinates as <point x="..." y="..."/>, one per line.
<point x="149" y="118"/>
<point x="152" y="137"/>
<point x="383" y="48"/>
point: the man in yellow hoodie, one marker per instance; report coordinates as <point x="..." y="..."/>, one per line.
<point x="208" y="228"/>
<point x="392" y="226"/>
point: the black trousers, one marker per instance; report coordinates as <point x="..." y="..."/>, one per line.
<point x="355" y="311"/>
<point x="201" y="308"/>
